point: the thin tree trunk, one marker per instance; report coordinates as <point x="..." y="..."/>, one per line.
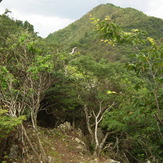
<point x="88" y="123"/>
<point x="29" y="142"/>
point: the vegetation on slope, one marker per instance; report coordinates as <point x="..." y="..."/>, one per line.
<point x="81" y="33"/>
<point x="117" y="105"/>
<point x="93" y="62"/>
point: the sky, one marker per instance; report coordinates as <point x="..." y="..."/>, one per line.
<point x="48" y="16"/>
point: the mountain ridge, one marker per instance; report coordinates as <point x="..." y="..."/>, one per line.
<point x="112" y="11"/>
<point x="81" y="33"/>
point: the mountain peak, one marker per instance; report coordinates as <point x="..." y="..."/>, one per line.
<point x="81" y="33"/>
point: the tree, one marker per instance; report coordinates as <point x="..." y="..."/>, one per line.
<point x="144" y="103"/>
<point x="26" y="72"/>
<point x="149" y="59"/>
<point x="95" y="91"/>
<point x="7" y="123"/>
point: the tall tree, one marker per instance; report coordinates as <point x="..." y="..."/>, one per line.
<point x="142" y="110"/>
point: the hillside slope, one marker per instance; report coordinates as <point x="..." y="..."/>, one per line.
<point x="81" y="33"/>
<point x="62" y="145"/>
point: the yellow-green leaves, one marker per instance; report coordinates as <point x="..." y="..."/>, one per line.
<point x="41" y="64"/>
<point x="111" y="92"/>
<point x="6" y="78"/>
<point x="112" y="33"/>
<point x="151" y="40"/>
<point x="74" y="73"/>
<point x="2" y="112"/>
<point x="8" y="123"/>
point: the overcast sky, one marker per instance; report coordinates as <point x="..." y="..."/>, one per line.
<point x="48" y="16"/>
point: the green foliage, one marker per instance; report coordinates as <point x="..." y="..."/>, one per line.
<point x="26" y="72"/>
<point x="7" y="123"/>
<point x="81" y="33"/>
<point x="127" y="72"/>
<point x="110" y="30"/>
<point x="9" y="26"/>
<point x="41" y="64"/>
<point x="141" y="110"/>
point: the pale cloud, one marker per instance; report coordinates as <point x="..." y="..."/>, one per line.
<point x="155" y="8"/>
<point x="43" y="24"/>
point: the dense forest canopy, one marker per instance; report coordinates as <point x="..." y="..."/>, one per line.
<point x="103" y="74"/>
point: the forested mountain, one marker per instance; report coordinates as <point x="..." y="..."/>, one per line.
<point x="89" y="92"/>
<point x="104" y="68"/>
<point x="81" y="33"/>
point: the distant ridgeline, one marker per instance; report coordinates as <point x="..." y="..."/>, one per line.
<point x="81" y="33"/>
